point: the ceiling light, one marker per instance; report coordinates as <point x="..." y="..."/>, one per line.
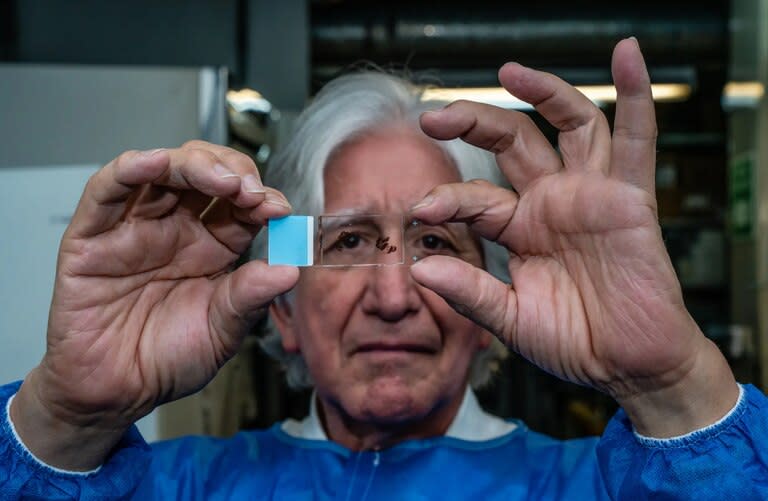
<point x="599" y="94"/>
<point x="742" y="94"/>
<point x="248" y="100"/>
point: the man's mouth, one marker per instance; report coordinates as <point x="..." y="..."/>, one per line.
<point x="395" y="348"/>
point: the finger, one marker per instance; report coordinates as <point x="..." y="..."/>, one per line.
<point x="235" y="227"/>
<point x="109" y="190"/>
<point x="151" y="202"/>
<point x="472" y="292"/>
<point x="192" y="167"/>
<point x="633" y="157"/>
<point x="274" y="205"/>
<point x="488" y="209"/>
<point x="196" y="204"/>
<point x="522" y="151"/>
<point x="199" y="170"/>
<point x="239" y="162"/>
<point x="584" y="139"/>
<point x="252" y="189"/>
<point x="229" y="225"/>
<point x="157" y="200"/>
<point x="106" y="197"/>
<point x="239" y="297"/>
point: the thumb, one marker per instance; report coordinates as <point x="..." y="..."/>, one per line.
<point x="238" y="299"/>
<point x="472" y="292"/>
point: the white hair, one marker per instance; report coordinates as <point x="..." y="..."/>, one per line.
<point x="346" y="109"/>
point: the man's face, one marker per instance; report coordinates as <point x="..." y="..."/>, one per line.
<point x="381" y="349"/>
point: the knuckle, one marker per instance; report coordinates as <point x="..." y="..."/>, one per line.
<point x="442" y="190"/>
<point x="195" y="144"/>
<point x="125" y="158"/>
<point x="461" y="103"/>
<point x="480" y="183"/>
<point x="630" y="133"/>
<point x="502" y="143"/>
<point x="600" y="117"/>
<point x="526" y="121"/>
<point x="236" y="158"/>
<point x="198" y="157"/>
<point x="92" y="183"/>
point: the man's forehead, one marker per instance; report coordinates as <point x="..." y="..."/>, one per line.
<point x="376" y="198"/>
<point x="385" y="172"/>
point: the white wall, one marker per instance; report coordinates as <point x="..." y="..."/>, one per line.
<point x="58" y="124"/>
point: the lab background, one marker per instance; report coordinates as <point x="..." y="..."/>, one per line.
<point x="83" y="80"/>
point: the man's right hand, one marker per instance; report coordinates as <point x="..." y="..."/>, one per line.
<point x="146" y="307"/>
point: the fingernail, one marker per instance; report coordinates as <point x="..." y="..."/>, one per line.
<point x="252" y="184"/>
<point x="635" y="39"/>
<point x="273" y="198"/>
<point x="223" y="171"/>
<point x="424" y="203"/>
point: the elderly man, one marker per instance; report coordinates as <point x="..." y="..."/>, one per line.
<point x="146" y="309"/>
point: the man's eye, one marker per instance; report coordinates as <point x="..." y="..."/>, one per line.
<point x="347" y="240"/>
<point x="433" y="242"/>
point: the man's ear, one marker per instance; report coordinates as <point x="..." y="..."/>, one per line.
<point x="282" y="315"/>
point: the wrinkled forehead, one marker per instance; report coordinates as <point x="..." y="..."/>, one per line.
<point x="386" y="171"/>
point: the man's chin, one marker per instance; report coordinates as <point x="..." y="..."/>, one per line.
<point x="392" y="400"/>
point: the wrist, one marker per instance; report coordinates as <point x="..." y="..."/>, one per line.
<point x="66" y="444"/>
<point x="700" y="398"/>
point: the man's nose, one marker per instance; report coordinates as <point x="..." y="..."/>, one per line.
<point x="391" y="293"/>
